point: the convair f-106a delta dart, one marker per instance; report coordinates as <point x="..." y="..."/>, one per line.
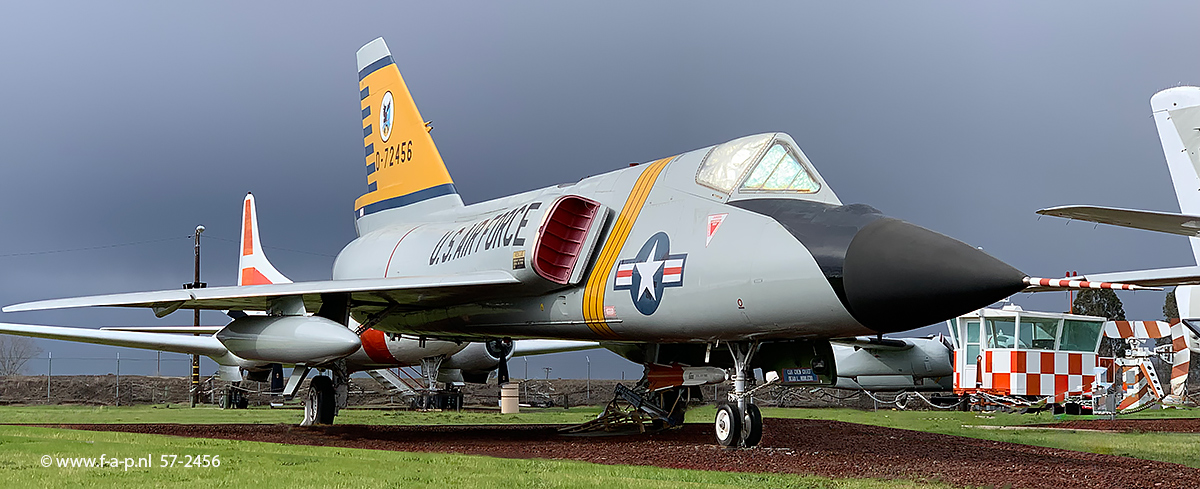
<point x="734" y="256"/>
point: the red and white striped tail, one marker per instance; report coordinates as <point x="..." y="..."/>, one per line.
<point x="1066" y="283"/>
<point x="253" y="266"/>
<point x="1142" y="330"/>
<point x="1180" y="363"/>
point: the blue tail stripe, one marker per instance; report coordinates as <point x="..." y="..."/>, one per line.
<point x="403" y="200"/>
<point x="367" y="131"/>
<point x="366" y="112"/>
<point x="373" y="67"/>
<point x="370" y="149"/>
<point x="364" y="93"/>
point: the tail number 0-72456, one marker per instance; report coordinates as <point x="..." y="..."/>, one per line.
<point x="394" y="154"/>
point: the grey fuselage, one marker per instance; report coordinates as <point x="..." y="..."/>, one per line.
<point x="776" y="265"/>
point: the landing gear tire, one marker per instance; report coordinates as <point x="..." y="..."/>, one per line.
<point x="322" y="400"/>
<point x="752" y="426"/>
<point x="728" y="425"/>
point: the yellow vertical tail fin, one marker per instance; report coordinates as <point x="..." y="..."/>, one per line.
<point x="403" y="165"/>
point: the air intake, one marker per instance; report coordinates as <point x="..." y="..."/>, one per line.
<point x="567" y="238"/>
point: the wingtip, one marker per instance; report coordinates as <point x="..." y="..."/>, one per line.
<point x="1051" y="211"/>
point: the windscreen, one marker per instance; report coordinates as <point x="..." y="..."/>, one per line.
<point x="725" y="164"/>
<point x="780" y="170"/>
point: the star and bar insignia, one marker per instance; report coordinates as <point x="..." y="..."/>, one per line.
<point x="653" y="270"/>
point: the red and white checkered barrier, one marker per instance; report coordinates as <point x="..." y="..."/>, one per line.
<point x="1037" y="373"/>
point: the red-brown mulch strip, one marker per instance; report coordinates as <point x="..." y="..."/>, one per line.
<point x="1178" y="425"/>
<point x="827" y="448"/>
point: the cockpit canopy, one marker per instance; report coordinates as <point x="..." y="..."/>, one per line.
<point x="759" y="163"/>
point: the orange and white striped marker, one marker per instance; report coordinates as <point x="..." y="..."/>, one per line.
<point x="1066" y="283"/>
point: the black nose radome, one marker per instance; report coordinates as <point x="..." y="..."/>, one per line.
<point x="900" y="276"/>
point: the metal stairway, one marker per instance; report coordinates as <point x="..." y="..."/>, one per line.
<point x="394" y="384"/>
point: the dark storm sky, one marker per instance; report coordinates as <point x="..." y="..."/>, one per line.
<point x="135" y="122"/>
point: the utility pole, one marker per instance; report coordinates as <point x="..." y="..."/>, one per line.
<point x="49" y="373"/>
<point x="1071" y="299"/>
<point x="589" y="377"/>
<point x="118" y="379"/>
<point x="196" y="284"/>
<point x="1071" y="295"/>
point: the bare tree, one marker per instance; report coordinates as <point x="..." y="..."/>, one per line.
<point x="15" y="352"/>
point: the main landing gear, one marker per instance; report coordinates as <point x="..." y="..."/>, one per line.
<point x="739" y="422"/>
<point x="327" y="394"/>
<point x="234" y="397"/>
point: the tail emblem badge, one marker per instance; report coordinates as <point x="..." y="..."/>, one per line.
<point x="385" y="117"/>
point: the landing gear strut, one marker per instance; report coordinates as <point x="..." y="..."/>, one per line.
<point x="739" y="422"/>
<point x="431" y="397"/>
<point x="234" y="397"/>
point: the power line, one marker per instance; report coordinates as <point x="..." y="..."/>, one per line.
<point x="89" y="248"/>
<point x="234" y="241"/>
<point x="148" y="241"/>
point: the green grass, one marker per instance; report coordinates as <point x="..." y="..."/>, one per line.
<point x="259" y="465"/>
<point x="208" y="415"/>
<point x="249" y="463"/>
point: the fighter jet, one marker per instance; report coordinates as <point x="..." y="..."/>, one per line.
<point x="733" y="256"/>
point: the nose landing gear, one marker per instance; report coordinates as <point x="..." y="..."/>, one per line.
<point x="739" y="422"/>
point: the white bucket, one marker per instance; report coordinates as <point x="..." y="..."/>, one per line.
<point x="510" y="398"/>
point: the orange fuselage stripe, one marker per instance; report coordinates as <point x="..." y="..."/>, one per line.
<point x="597" y="283"/>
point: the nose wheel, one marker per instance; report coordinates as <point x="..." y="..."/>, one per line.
<point x="752" y="429"/>
<point x="736" y="428"/>
<point x="728" y="425"/>
<point x="739" y="422"/>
